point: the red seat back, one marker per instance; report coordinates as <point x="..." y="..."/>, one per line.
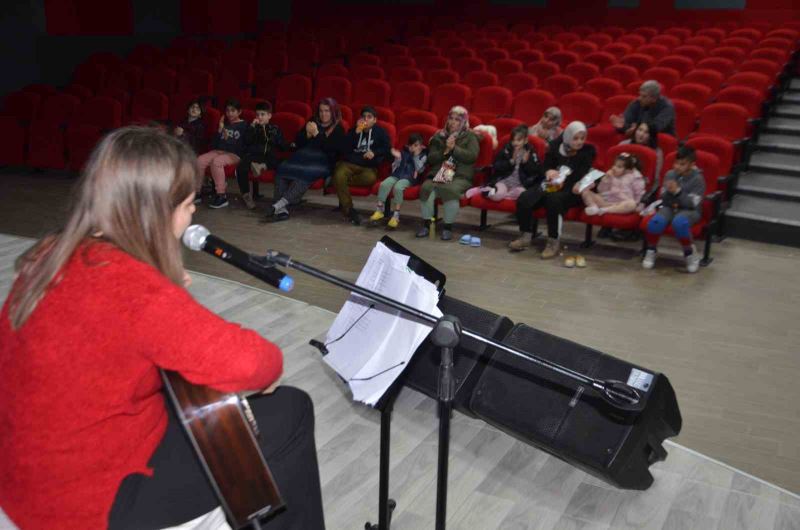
<point x="580" y="106"/>
<point x="449" y="95"/>
<point x="416" y="117"/>
<point x="289" y="123"/>
<point x="410" y="94"/>
<point x="338" y="88"/>
<point x="726" y="120"/>
<point x="372" y="92"/>
<point x="695" y="93"/>
<point x="529" y="105"/>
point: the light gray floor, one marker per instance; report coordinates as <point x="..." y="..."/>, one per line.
<point x="495" y="481"/>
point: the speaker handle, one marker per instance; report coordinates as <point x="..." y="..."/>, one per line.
<point x="621" y="395"/>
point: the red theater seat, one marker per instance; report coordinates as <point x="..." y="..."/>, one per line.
<point x="580" y="106"/>
<point x="12" y="142"/>
<point x="480" y="79"/>
<point x="695" y="93"/>
<point x="448" y="95"/>
<point x="491" y="102"/>
<point x="529" y="105"/>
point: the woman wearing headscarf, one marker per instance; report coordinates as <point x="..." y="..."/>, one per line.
<point x="549" y="126"/>
<point x="451" y="156"/>
<point x="319" y="144"/>
<point x="568" y="159"/>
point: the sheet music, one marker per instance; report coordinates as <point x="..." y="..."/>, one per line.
<point x="370" y="344"/>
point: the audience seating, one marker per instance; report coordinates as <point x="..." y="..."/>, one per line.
<point x="721" y="74"/>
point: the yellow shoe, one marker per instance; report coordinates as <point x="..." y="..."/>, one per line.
<point x="377" y="216"/>
<point x="569" y="262"/>
<point x="580" y="262"/>
<point x="393" y="222"/>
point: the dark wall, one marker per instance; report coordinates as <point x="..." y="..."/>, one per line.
<point x="21" y="25"/>
<point x="34" y="55"/>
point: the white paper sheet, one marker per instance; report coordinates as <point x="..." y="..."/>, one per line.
<point x="370" y="344"/>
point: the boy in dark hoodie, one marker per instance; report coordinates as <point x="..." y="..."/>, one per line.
<point x="681" y="206"/>
<point x="226" y="149"/>
<point x="260" y="141"/>
<point x="368" y="146"/>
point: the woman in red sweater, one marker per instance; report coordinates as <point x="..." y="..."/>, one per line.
<point x="86" y="440"/>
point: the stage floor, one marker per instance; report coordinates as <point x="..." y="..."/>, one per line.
<point x="495" y="480"/>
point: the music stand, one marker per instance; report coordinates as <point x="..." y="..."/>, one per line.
<point x="446" y="334"/>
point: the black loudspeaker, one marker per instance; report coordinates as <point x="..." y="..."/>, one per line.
<point x="554" y="413"/>
<point x="469" y="358"/>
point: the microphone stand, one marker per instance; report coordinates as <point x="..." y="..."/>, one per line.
<point x="446" y="334"/>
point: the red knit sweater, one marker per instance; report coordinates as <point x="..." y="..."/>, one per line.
<point x="80" y="400"/>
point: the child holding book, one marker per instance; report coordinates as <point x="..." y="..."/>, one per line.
<point x="619" y="191"/>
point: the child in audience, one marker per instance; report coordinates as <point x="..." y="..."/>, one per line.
<point x="548" y="127"/>
<point x="369" y="145"/>
<point x="516" y="168"/>
<point x="681" y="206"/>
<point x="227" y="146"/>
<point x="261" y="140"/>
<point x="617" y="192"/>
<point x="406" y="168"/>
<point x="646" y="134"/>
<point x="192" y="130"/>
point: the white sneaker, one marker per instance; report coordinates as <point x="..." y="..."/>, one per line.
<point x="592" y="210"/>
<point x="693" y="261"/>
<point x="649" y="260"/>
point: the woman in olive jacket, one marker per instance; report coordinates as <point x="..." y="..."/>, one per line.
<point x="451" y="156"/>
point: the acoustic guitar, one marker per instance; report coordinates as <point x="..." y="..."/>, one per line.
<point x="224" y="434"/>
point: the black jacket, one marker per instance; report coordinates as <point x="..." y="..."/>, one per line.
<point x="580" y="163"/>
<point x="194" y="134"/>
<point x="332" y="145"/>
<point x="530" y="173"/>
<point x="261" y="141"/>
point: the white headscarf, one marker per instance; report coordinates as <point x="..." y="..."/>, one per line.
<point x="570" y="131"/>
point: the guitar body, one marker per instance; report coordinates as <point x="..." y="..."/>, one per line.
<point x="223" y="433"/>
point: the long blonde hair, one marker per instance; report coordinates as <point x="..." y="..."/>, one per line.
<point x="127" y="194"/>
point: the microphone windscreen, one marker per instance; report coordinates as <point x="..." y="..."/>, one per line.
<point x="195" y="237"/>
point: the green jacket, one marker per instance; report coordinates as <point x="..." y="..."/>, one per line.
<point x="465" y="153"/>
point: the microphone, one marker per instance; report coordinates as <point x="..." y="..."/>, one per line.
<point x="197" y="237"/>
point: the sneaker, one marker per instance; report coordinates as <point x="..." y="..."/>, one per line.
<point x="466" y="239"/>
<point x="281" y="216"/>
<point x="248" y="201"/>
<point x="520" y="244"/>
<point x="551" y="249"/>
<point x="219" y="201"/>
<point x="376" y="216"/>
<point x="569" y="262"/>
<point x="580" y="262"/>
<point x="393" y="222"/>
<point x="354" y="217"/>
<point x="446" y="235"/>
<point x="649" y="260"/>
<point x="592" y="210"/>
<point x="475" y="242"/>
<point x="693" y="261"/>
<point x="424" y="231"/>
